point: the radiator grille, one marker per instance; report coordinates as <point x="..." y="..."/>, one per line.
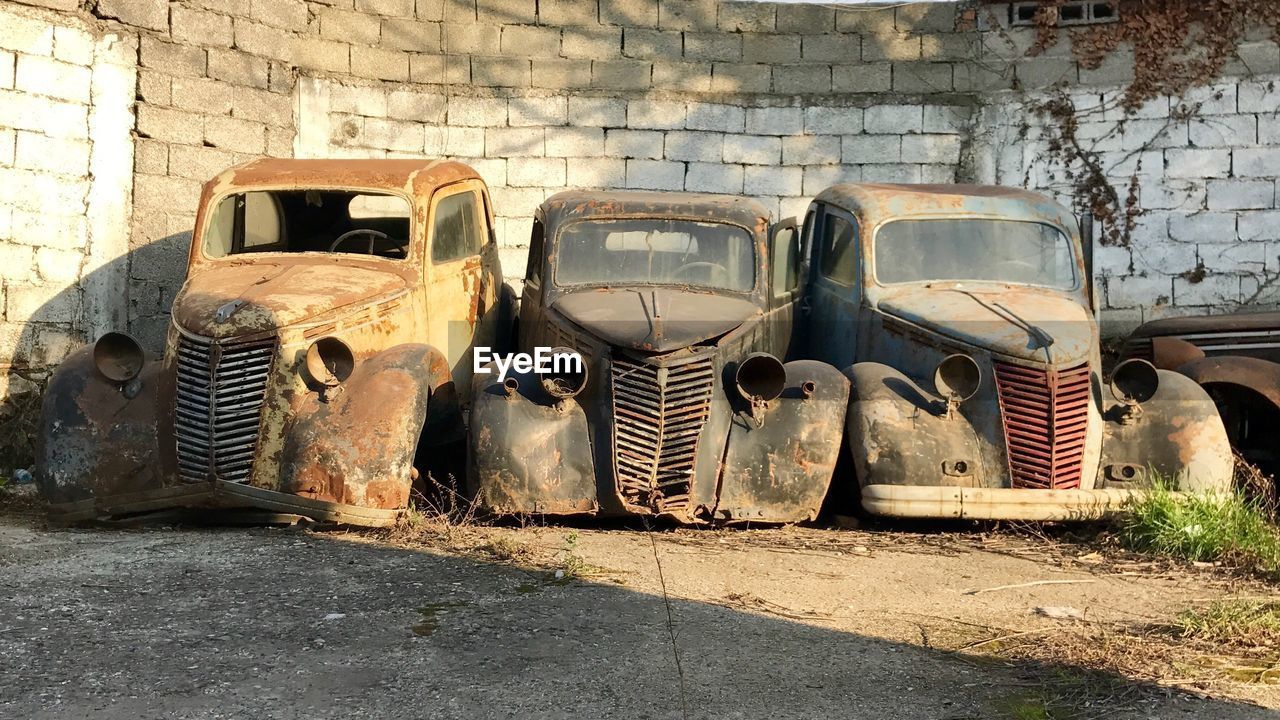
<point x="1257" y="343"/>
<point x="218" y="406"/>
<point x="1046" y="416"/>
<point x="658" y="418"/>
<point x="1139" y="348"/>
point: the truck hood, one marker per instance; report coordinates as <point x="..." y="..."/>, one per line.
<point x="654" y="319"/>
<point x="1025" y="323"/>
<point x="236" y="300"/>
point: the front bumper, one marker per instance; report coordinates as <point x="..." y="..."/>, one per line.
<point x="915" y="501"/>
<point x="219" y="495"/>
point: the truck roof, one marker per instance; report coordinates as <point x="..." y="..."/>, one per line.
<point x="574" y="204"/>
<point x="884" y="201"/>
<point x="412" y="175"/>
<point x="1216" y="324"/>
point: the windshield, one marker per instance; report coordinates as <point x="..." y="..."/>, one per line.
<point x="1008" y="251"/>
<point x="309" y="221"/>
<point x="655" y="251"/>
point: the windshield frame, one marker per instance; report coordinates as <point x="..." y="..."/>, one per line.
<point x="552" y="249"/>
<point x="207" y="208"/>
<point x="1073" y="241"/>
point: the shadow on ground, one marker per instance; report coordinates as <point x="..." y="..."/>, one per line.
<point x="282" y="624"/>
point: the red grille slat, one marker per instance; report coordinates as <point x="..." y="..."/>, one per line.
<point x="1046" y="418"/>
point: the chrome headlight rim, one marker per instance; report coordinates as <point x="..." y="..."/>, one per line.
<point x="760" y="377"/>
<point x="562" y="383"/>
<point x="329" y="362"/>
<point x="957" y="378"/>
<point x="118" y="357"/>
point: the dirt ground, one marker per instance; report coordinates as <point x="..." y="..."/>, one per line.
<point x="554" y="622"/>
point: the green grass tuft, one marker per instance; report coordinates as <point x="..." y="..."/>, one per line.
<point x="1225" y="528"/>
<point x="1235" y="622"/>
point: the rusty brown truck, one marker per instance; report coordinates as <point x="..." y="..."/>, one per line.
<point x="326" y="319"/>
<point x="681" y="307"/>
<point x="964" y="316"/>
<point x="1236" y="358"/>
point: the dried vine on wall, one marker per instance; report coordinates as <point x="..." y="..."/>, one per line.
<point x="1177" y="46"/>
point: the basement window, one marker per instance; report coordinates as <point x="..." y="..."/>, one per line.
<point x="1072" y="12"/>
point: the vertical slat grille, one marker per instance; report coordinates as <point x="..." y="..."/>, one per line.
<point x="562" y="338"/>
<point x="658" y="418"/>
<point x="1046" y="417"/>
<point x="218" y="407"/>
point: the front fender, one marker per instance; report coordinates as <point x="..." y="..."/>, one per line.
<point x="94" y="441"/>
<point x="528" y="453"/>
<point x="358" y="447"/>
<point x="1260" y="377"/>
<point x="779" y="470"/>
<point x="1179" y="436"/>
<point x="899" y="433"/>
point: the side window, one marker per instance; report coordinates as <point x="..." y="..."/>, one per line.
<point x="533" y="271"/>
<point x="222" y="228"/>
<point x="785" y="261"/>
<point x="253" y="217"/>
<point x="456" y="232"/>
<point x="839" y="261"/>
<point x="261" y="220"/>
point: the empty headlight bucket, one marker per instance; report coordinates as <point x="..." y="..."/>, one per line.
<point x="957" y="378"/>
<point x="118" y="357"/>
<point x="329" y="362"/>
<point x="760" y="377"/>
<point x="1134" y="381"/>
<point x="567" y="375"/>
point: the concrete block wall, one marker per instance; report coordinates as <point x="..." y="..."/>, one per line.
<point x="1207" y="169"/>
<point x="530" y="146"/>
<point x="66" y="96"/>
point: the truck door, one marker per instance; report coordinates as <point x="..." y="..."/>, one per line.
<point x="459" y="290"/>
<point x="835" y="291"/>
<point x="784" y="287"/>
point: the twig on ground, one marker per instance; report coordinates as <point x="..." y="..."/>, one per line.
<point x="1029" y="584"/>
<point x="1009" y="636"/>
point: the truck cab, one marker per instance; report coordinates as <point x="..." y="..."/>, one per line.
<point x="963" y="316"/>
<point x="316" y="345"/>
<point x="689" y="403"/>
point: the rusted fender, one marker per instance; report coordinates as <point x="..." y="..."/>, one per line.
<point x="1170" y="353"/>
<point x="94" y="440"/>
<point x="1254" y="374"/>
<point x="528" y="453"/>
<point x="358" y="447"/>
<point x="1178" y="435"/>
<point x="778" y="467"/>
<point x="900" y="434"/>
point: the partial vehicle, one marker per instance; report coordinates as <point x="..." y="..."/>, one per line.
<point x="681" y="306"/>
<point x="315" y="349"/>
<point x="1236" y="358"/>
<point x="965" y="318"/>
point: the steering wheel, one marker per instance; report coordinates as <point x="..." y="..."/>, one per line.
<point x="714" y="267"/>
<point x="374" y="236"/>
